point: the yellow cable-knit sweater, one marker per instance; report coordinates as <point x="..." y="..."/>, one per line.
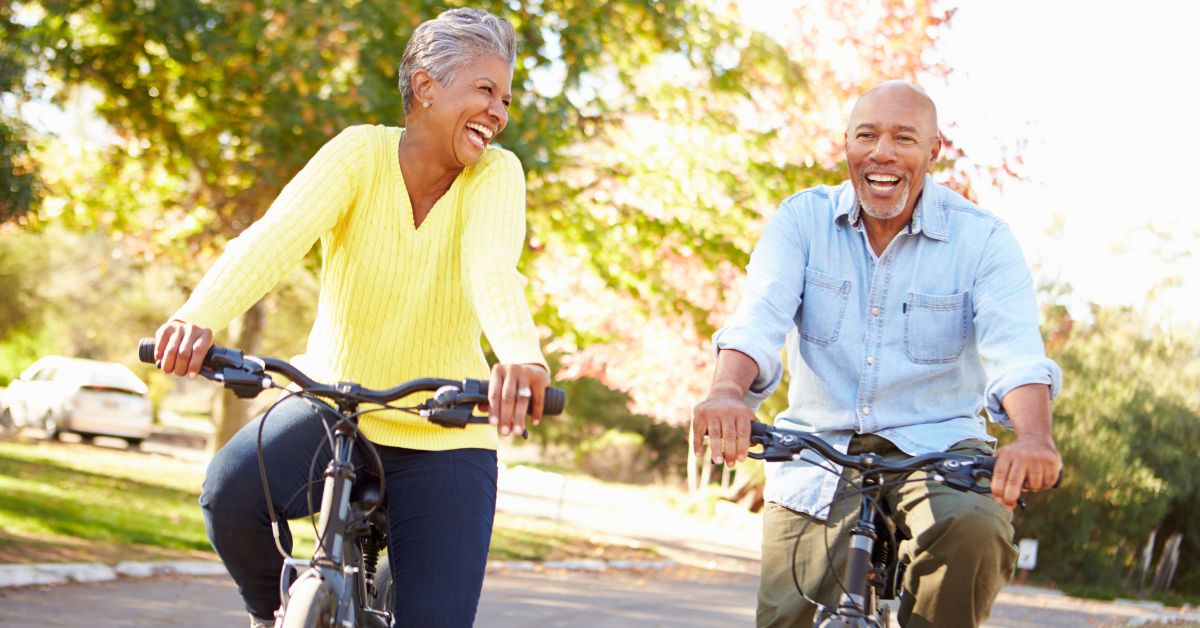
<point x="397" y="302"/>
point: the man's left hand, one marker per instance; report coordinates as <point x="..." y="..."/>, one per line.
<point x="1032" y="464"/>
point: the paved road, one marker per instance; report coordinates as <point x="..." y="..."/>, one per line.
<point x="685" y="597"/>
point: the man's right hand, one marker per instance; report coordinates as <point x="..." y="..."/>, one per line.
<point x="726" y="420"/>
<point x="180" y="348"/>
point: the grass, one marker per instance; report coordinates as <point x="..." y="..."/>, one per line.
<point x="523" y="538"/>
<point x="65" y="502"/>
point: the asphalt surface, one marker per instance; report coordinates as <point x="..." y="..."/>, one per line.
<point x="522" y="600"/>
<point x="684" y="597"/>
<point x="714" y="587"/>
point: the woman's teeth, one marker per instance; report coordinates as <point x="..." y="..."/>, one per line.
<point x="478" y="133"/>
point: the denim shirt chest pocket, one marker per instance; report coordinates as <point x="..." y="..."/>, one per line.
<point x="935" y="327"/>
<point x="822" y="307"/>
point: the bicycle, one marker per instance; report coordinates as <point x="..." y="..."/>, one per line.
<point x="344" y="584"/>
<point x="873" y="570"/>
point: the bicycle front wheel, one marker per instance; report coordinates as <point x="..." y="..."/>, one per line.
<point x="311" y="605"/>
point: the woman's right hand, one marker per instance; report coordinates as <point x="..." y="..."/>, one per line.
<point x="180" y="348"/>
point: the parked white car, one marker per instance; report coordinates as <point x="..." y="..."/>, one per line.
<point x="87" y="397"/>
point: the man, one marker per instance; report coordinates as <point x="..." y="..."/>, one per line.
<point x="907" y="310"/>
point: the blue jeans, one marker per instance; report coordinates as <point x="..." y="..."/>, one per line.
<point x="440" y="510"/>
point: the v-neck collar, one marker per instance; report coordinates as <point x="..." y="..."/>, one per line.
<point x="401" y="191"/>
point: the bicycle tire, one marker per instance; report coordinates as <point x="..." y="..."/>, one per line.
<point x="311" y="605"/>
<point x="385" y="592"/>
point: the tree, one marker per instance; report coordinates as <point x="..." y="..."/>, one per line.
<point x="18" y="177"/>
<point x="656" y="136"/>
<point x="227" y="100"/>
<point x="672" y="194"/>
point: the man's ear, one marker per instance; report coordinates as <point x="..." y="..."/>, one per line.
<point x="937" y="151"/>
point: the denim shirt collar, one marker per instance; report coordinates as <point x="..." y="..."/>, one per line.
<point x="929" y="216"/>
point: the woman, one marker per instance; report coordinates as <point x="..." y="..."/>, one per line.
<point x="421" y="229"/>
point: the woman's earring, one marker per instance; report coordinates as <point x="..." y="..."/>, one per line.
<point x="426" y="103"/>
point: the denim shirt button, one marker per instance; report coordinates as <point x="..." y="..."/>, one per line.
<point x="866" y="410"/>
<point x="875" y="311"/>
<point x="870" y="360"/>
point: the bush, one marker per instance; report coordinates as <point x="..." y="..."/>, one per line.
<point x="1128" y="426"/>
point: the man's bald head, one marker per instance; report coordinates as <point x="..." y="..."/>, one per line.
<point x="899" y="93"/>
<point x="892" y="142"/>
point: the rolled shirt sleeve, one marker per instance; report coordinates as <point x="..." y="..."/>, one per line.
<point x="1006" y="325"/>
<point x="774" y="288"/>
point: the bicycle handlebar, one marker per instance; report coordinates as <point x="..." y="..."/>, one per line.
<point x="245" y="375"/>
<point x="955" y="470"/>
<point x="775" y="442"/>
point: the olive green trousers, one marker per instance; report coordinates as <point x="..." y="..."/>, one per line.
<point x="960" y="553"/>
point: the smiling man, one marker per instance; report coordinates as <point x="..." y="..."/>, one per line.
<point x="907" y="311"/>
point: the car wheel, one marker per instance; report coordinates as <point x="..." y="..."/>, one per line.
<point x="7" y="425"/>
<point x="51" y="427"/>
<point x="134" y="443"/>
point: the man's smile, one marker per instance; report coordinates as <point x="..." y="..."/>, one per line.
<point x="883" y="182"/>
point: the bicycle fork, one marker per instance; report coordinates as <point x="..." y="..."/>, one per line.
<point x="856" y="606"/>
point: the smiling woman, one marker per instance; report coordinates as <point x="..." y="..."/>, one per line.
<point x="421" y="229"/>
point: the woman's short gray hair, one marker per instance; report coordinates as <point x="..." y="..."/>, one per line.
<point x="455" y="38"/>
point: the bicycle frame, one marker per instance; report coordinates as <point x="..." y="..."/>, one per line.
<point x="870" y="574"/>
<point x="338" y="559"/>
<point x="869" y="577"/>
<point x="350" y="532"/>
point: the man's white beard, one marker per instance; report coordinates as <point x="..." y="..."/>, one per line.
<point x="884" y="213"/>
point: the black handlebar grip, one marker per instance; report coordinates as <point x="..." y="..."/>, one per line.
<point x="553" y="403"/>
<point x="758" y="429"/>
<point x="146" y="350"/>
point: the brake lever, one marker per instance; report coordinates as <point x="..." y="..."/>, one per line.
<point x="776" y="447"/>
<point x="965" y="477"/>
<point x="452" y="407"/>
<point x="244" y="384"/>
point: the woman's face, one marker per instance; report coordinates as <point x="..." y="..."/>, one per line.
<point x="473" y="109"/>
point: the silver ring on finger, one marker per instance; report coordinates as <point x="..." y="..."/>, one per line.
<point x="524" y="392"/>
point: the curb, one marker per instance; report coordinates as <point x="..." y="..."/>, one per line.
<point x="60" y="573"/>
<point x="1163" y="617"/>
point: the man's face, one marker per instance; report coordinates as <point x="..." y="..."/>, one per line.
<point x="891" y="143"/>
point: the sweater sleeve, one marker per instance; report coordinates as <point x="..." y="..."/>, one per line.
<point x="309" y="206"/>
<point x="492" y="243"/>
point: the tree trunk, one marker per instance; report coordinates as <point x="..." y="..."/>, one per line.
<point x="693" y="482"/>
<point x="1167" y="562"/>
<point x="706" y="470"/>
<point x="230" y="414"/>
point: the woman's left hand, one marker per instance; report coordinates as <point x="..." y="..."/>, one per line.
<point x="513" y="387"/>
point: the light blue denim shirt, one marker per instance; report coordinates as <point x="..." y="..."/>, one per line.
<point x="911" y="345"/>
